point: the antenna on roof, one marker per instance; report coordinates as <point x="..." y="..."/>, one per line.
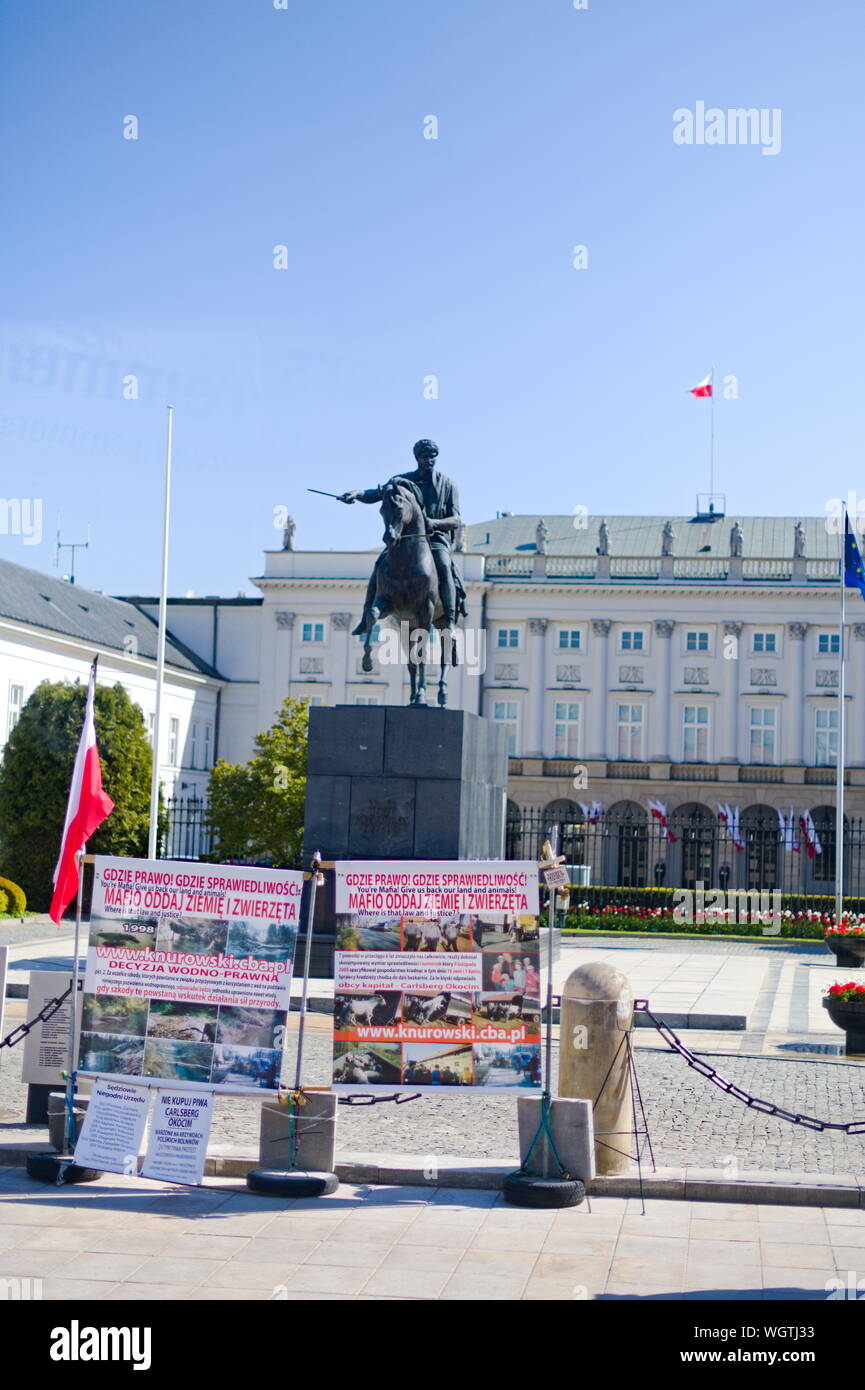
<point x="69" y="545"/>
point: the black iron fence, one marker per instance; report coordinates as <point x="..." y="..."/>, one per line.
<point x="636" y="851"/>
<point x="185" y="834"/>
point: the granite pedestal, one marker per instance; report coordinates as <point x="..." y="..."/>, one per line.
<point x="396" y="782"/>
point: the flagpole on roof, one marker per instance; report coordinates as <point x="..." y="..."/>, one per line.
<point x="839" y="770"/>
<point x="712" y="437"/>
<point x="160" y="649"/>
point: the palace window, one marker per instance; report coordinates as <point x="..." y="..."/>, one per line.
<point x="826" y="737"/>
<point x="828" y="643"/>
<point x="696" y="641"/>
<point x="567" y="730"/>
<point x="695" y="733"/>
<point x="312" y="632"/>
<point x="763" y="730"/>
<point x="507" y="712"/>
<point x="173" y="741"/>
<point x="508" y="637"/>
<point x="569" y="639"/>
<point x="633" y="640"/>
<point x="765" y="642"/>
<point x="16" y="704"/>
<point x="630" y="729"/>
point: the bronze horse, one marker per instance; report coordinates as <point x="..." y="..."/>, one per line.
<point x="407" y="587"/>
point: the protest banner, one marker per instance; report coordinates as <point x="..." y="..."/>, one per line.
<point x="113" y="1127"/>
<point x="177" y="1140"/>
<point x="437" y="976"/>
<point x="189" y="973"/>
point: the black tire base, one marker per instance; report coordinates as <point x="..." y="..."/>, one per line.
<point x="58" y="1171"/>
<point x="523" y="1190"/>
<point x="294" y="1182"/>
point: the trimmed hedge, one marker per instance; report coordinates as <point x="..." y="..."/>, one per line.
<point x="4" y="903"/>
<point x="16" y="898"/>
<point x="803" y="916"/>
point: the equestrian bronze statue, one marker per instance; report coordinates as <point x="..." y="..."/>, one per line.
<point x="415" y="580"/>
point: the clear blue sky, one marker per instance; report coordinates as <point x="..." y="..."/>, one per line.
<point x="557" y="387"/>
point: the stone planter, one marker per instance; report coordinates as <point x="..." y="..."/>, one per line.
<point x="848" y="950"/>
<point x="850" y="1017"/>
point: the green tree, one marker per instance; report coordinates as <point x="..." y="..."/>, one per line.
<point x="256" y="808"/>
<point x="37" y="769"/>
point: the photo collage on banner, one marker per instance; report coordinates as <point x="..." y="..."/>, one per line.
<point x="437" y="976"/>
<point x="189" y="972"/>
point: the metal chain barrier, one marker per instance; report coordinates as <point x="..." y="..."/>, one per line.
<point x="20" y="1033"/>
<point x="764" y="1107"/>
<point x="397" y="1099"/>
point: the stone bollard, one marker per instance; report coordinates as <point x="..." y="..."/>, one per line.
<point x="316" y="1133"/>
<point x="597" y="1010"/>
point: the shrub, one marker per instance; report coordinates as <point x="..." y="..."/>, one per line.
<point x="16" y="897"/>
<point x="5" y="909"/>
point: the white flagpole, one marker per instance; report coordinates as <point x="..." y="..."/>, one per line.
<point x="160" y="649"/>
<point x="712" y="438"/>
<point x="839" y="771"/>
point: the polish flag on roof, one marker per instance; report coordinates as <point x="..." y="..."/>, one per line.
<point x="703" y="388"/>
<point x="87" y="808"/>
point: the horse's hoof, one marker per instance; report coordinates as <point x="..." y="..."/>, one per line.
<point x="443" y="699"/>
<point x="366" y="663"/>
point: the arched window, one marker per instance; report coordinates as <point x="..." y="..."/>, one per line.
<point x="695" y="828"/>
<point x="567" y="818"/>
<point x="762" y="837"/>
<point x="628" y="837"/>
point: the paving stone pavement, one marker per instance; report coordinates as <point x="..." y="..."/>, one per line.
<point x="690" y="1121"/>
<point x="123" y="1239"/>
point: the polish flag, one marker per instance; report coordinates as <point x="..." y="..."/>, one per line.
<point x="787" y="831"/>
<point x="591" y="813"/>
<point x="812" y="839"/>
<point x="703" y="388"/>
<point x="659" y="811"/>
<point x="88" y="806"/>
<point x="730" y="816"/>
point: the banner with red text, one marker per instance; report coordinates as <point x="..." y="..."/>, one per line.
<point x="437" y="976"/>
<point x="189" y="972"/>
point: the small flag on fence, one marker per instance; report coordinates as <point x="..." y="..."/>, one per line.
<point x="659" y="811"/>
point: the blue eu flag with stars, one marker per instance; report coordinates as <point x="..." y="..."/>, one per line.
<point x="854" y="577"/>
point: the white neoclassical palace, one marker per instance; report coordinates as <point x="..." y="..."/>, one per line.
<point x="690" y="660"/>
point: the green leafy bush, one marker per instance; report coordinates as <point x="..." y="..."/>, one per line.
<point x="256" y="808"/>
<point x="15" y="896"/>
<point x="4" y="904"/>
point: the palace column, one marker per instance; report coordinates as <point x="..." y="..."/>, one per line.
<point x="537" y="688"/>
<point x="597" y="734"/>
<point x="728" y="743"/>
<point x="342" y="673"/>
<point x="660" y="720"/>
<point x="793" y="733"/>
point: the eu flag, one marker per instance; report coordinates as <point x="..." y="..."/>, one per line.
<point x="854" y="577"/>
